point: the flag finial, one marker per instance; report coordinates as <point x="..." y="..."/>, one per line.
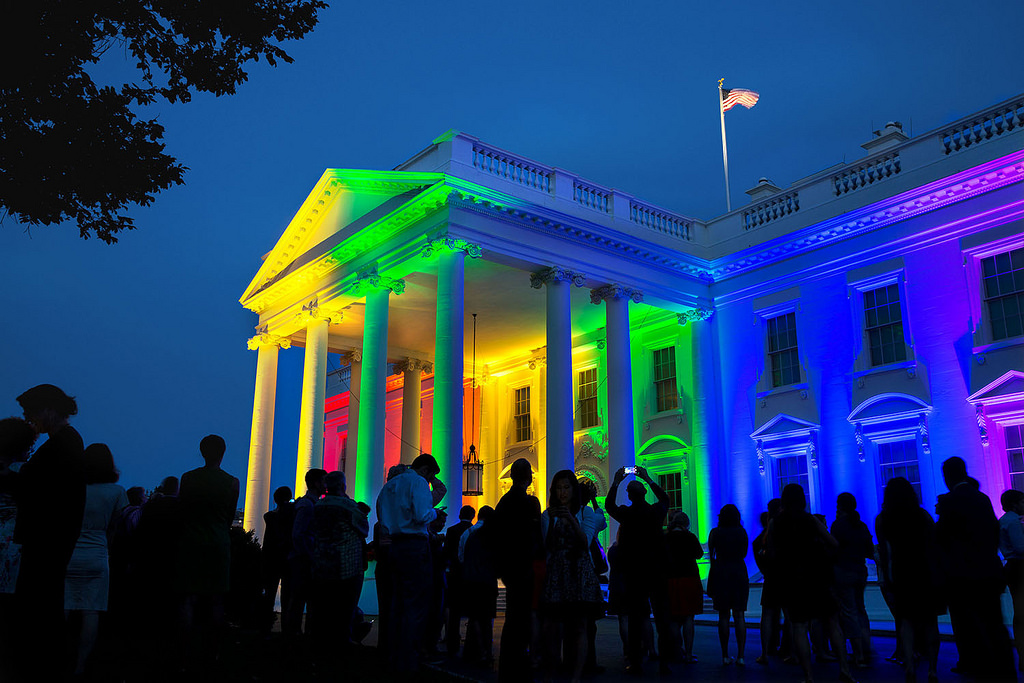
<point x="720" y="81"/>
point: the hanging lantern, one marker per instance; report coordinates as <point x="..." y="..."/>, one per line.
<point x="472" y="474"/>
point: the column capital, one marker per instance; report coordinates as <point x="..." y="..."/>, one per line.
<point x="312" y="311"/>
<point x="694" y="314"/>
<point x="368" y="282"/>
<point x="353" y="356"/>
<point x="436" y="246"/>
<point x="615" y="291"/>
<point x="264" y="338"/>
<point x="413" y="364"/>
<point x="556" y="274"/>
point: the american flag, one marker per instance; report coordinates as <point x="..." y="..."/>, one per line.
<point x="732" y="97"/>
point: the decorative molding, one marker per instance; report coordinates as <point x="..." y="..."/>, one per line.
<point x="556" y="274"/>
<point x="369" y="281"/>
<point x="413" y="364"/>
<point x="451" y="244"/>
<point x="538" y="360"/>
<point x="760" y="457"/>
<point x="263" y="338"/>
<point x="858" y="435"/>
<point x="979" y="412"/>
<point x="353" y="356"/>
<point x="812" y="448"/>
<point x="312" y="311"/>
<point x="694" y="314"/>
<point x="615" y="291"/>
<point x="601" y="343"/>
<point x="922" y="429"/>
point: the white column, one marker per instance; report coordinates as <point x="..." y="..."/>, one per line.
<point x="412" y="370"/>
<point x="621" y="423"/>
<point x="449" y="367"/>
<point x="261" y="438"/>
<point x="354" y="360"/>
<point x="373" y="388"/>
<point x="311" y="413"/>
<point x="559" y="417"/>
<point x="704" y="415"/>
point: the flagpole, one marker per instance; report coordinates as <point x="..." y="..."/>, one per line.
<point x="725" y="150"/>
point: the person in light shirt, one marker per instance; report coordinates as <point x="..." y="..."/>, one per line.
<point x="406" y="509"/>
<point x="1011" y="546"/>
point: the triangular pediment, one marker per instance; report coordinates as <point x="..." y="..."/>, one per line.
<point x="783" y="425"/>
<point x="887" y="408"/>
<point x="1009" y="387"/>
<point x="342" y="204"/>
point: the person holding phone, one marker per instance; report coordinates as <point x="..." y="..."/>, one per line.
<point x="642" y="548"/>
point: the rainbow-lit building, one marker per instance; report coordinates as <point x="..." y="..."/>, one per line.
<point x="863" y="323"/>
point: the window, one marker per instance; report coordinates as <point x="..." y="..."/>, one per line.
<point x="899" y="459"/>
<point x="665" y="379"/>
<point x="522" y="414"/>
<point x="1014" y="435"/>
<point x="672" y="483"/>
<point x="1002" y="277"/>
<point x="782" y="352"/>
<point x="884" y="324"/>
<point x="586" y="412"/>
<point x="792" y="469"/>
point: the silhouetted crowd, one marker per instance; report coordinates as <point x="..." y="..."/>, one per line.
<point x="74" y="545"/>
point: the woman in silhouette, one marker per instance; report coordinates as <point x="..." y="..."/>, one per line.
<point x="728" y="582"/>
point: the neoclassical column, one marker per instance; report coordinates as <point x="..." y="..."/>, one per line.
<point x="354" y="360"/>
<point x="621" y="440"/>
<point x="559" y="418"/>
<point x="314" y="384"/>
<point x="412" y="370"/>
<point x="373" y="386"/>
<point x="702" y="351"/>
<point x="261" y="438"/>
<point x="449" y="361"/>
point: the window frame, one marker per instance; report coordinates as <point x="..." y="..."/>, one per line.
<point x="1015" y="293"/>
<point x="527" y="424"/>
<point x="580" y="413"/>
<point x="887" y="442"/>
<point x="982" y="324"/>
<point x="858" y="290"/>
<point x="672" y="381"/>
<point x="761" y="317"/>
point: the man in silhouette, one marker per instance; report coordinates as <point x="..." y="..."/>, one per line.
<point x="453" y="594"/>
<point x="968" y="535"/>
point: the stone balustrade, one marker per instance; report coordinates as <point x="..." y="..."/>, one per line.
<point x="771" y="209"/>
<point x="513" y="168"/>
<point x="660" y="220"/>
<point x="867" y="173"/>
<point x="592" y="196"/>
<point x="984" y="126"/>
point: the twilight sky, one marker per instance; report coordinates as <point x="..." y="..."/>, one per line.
<point x="148" y="334"/>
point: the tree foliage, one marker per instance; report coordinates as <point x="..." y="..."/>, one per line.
<point x="75" y="150"/>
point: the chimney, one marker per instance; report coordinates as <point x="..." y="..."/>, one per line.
<point x="764" y="188"/>
<point x="890" y="136"/>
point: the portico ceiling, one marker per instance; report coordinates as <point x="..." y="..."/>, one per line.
<point x="510" y="315"/>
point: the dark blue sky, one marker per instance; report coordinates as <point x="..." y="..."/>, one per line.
<point x="148" y="333"/>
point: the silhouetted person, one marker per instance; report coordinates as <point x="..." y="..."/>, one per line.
<point x="208" y="497"/>
<point x="159" y="528"/>
<point x="87" y="586"/>
<point x="728" y="583"/>
<point x="1011" y="545"/>
<point x="453" y="586"/>
<point x="588" y="499"/>
<point x="51" y="502"/>
<point x="477" y="548"/>
<point x="517" y="518"/>
<point x="851" y="575"/>
<point x="686" y="595"/>
<point x="771" y="598"/>
<point x="908" y="569"/>
<point x="295" y="590"/>
<point x="340" y="530"/>
<point x="406" y="508"/>
<point x="16" y="439"/>
<point x="968" y="536"/>
<point x="383" y="574"/>
<point x="277" y="543"/>
<point x="800" y="544"/>
<point x="642" y="552"/>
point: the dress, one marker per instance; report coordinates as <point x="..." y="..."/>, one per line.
<point x="728" y="582"/>
<point x="87" y="584"/>
<point x="570" y="585"/>
<point x="685" y="594"/>
<point x="804" y="569"/>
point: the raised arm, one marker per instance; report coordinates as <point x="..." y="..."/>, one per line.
<point x="609" y="501"/>
<point x="663" y="501"/>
